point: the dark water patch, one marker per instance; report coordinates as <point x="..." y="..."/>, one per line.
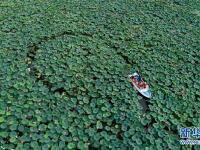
<point x="126" y="59"/>
<point x="149" y="125"/>
<point x="92" y="148"/>
<point x="148" y="45"/>
<point x="144" y="103"/>
<point x="60" y="90"/>
<point x="119" y="136"/>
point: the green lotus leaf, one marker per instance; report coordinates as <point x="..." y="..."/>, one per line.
<point x="71" y="145"/>
<point x="3" y="134"/>
<point x="99" y="125"/>
<point x="1" y="119"/>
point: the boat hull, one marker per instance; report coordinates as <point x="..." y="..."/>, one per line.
<point x="146" y="93"/>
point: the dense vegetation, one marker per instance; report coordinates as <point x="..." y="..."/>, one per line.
<point x="64" y="67"/>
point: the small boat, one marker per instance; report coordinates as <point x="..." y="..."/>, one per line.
<point x="140" y="85"/>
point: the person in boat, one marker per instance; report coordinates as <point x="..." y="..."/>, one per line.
<point x="141" y="84"/>
<point x="138" y="82"/>
<point x="137" y="77"/>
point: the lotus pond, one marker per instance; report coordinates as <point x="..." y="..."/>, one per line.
<point x="64" y="67"/>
